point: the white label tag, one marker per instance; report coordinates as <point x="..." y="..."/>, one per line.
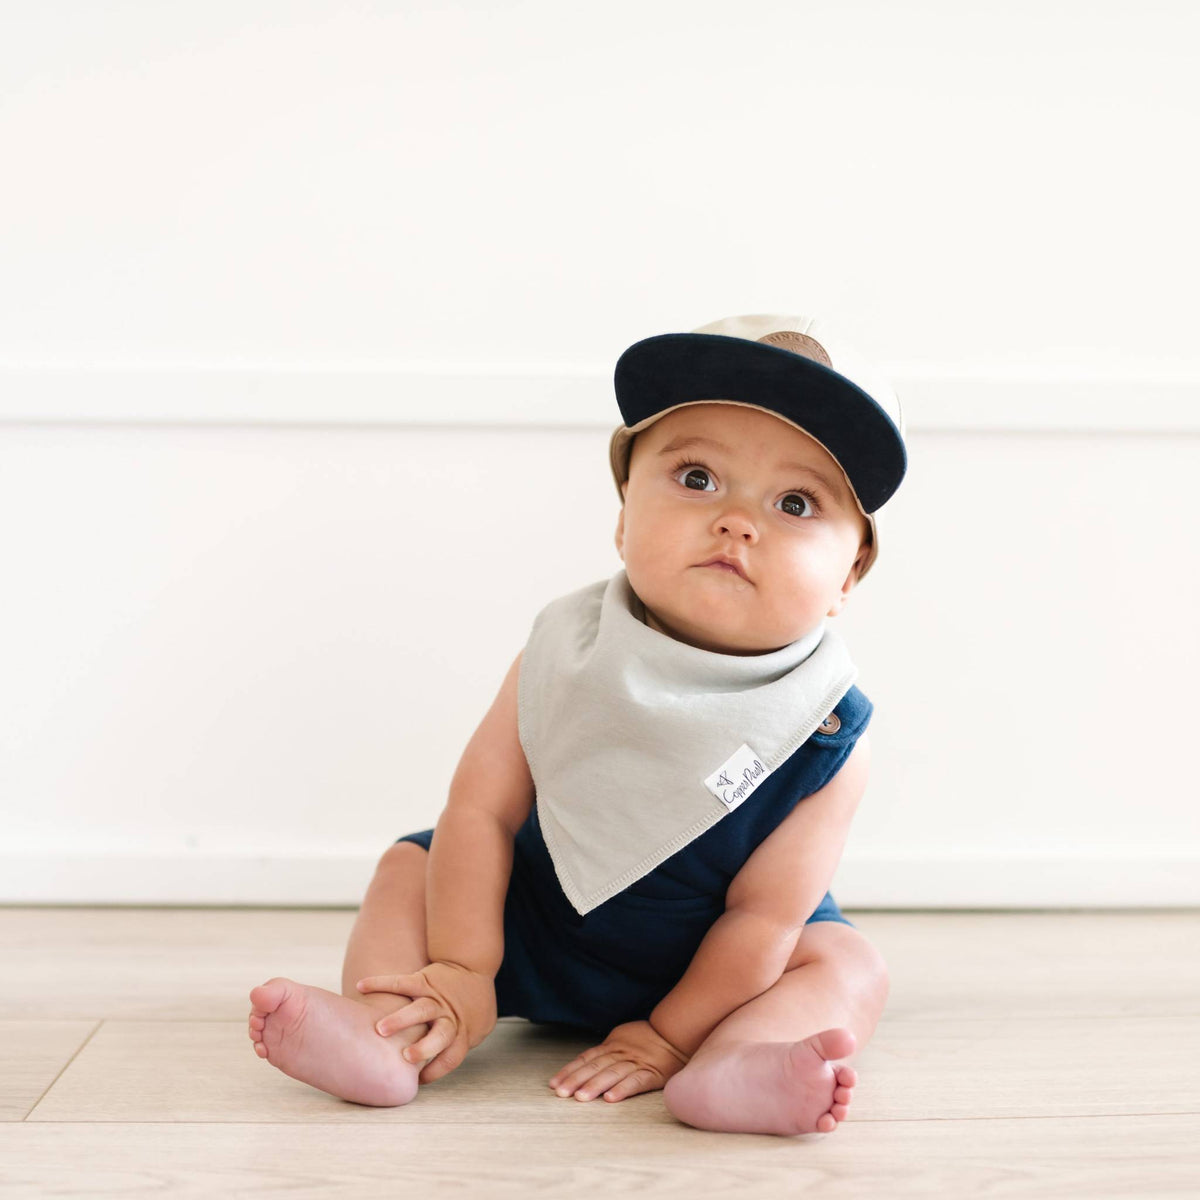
<point x="737" y="777"/>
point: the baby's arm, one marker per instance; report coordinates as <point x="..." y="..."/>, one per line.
<point x="470" y="858"/>
<point x="470" y="862"/>
<point x="776" y="891"/>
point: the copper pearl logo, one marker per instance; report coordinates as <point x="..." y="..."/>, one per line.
<point x="798" y="343"/>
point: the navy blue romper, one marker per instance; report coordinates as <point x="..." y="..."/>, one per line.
<point x="615" y="963"/>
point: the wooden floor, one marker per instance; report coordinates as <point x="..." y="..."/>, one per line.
<point x="1021" y="1055"/>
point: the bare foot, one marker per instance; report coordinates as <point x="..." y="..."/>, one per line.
<point x="767" y="1087"/>
<point x="329" y="1041"/>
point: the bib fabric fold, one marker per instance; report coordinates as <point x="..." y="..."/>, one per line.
<point x="638" y="743"/>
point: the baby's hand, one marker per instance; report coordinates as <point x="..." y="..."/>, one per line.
<point x="632" y="1059"/>
<point x="458" y="1003"/>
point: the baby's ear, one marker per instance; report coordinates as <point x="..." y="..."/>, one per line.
<point x="860" y="564"/>
<point x="840" y="603"/>
<point x="866" y="548"/>
<point x="851" y="581"/>
<point x="620" y="538"/>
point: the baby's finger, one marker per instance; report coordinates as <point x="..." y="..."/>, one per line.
<point x="578" y="1061"/>
<point x="418" y="1011"/>
<point x="573" y="1080"/>
<point x="562" y="1074"/>
<point x="603" y="1080"/>
<point x="445" y="1062"/>
<point x="440" y="1036"/>
<point x="403" y="985"/>
<point x="434" y="1070"/>
<point x="641" y="1080"/>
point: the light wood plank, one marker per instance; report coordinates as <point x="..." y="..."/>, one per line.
<point x="1041" y="1067"/>
<point x="194" y="964"/>
<point x="1101" y="1158"/>
<point x="200" y="964"/>
<point x="1039" y="964"/>
<point x="207" y="1071"/>
<point x="33" y="1053"/>
<point x="1008" y="1039"/>
<point x="911" y="1070"/>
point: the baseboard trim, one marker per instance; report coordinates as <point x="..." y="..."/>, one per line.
<point x="935" y="398"/>
<point x="975" y="880"/>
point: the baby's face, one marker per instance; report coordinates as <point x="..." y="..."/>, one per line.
<point x="769" y="496"/>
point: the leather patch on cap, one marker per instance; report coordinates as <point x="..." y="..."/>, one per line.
<point x="798" y="343"/>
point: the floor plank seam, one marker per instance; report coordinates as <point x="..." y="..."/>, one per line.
<point x="458" y="1120"/>
<point x="78" y="1051"/>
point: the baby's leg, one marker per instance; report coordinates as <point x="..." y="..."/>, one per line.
<point x="770" y="1066"/>
<point x="388" y="937"/>
<point x="329" y="1041"/>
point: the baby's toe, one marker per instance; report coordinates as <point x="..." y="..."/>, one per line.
<point x="847" y="1076"/>
<point x="826" y="1123"/>
<point x="842" y="1095"/>
<point x="267" y="997"/>
<point x="838" y="1112"/>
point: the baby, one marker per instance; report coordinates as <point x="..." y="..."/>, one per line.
<point x="623" y="850"/>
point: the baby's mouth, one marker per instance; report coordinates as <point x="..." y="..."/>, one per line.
<point x="731" y="567"/>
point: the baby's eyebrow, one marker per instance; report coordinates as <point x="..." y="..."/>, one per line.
<point x="683" y="443"/>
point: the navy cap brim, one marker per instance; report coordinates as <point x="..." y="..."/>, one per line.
<point x="671" y="369"/>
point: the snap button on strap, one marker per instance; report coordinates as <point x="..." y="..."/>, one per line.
<point x="831" y="724"/>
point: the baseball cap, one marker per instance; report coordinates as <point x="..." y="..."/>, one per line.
<point x="794" y="367"/>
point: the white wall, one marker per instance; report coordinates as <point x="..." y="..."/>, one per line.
<point x="307" y="322"/>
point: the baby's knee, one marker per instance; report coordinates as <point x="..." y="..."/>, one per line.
<point x="876" y="967"/>
<point x="403" y="858"/>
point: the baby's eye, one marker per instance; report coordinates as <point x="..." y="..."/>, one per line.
<point x="695" y="478"/>
<point x="797" y="504"/>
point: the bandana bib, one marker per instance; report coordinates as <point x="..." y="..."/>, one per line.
<point x="638" y="743"/>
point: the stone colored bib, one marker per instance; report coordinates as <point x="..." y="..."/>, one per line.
<point x="638" y="743"/>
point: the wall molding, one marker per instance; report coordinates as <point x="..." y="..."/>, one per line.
<point x="436" y="395"/>
<point x="966" y="880"/>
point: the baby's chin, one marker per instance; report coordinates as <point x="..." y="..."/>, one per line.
<point x="715" y="636"/>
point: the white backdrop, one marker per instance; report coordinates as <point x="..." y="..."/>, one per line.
<point x="307" y="322"/>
